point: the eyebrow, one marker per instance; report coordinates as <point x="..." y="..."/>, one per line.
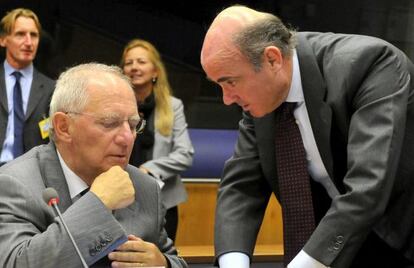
<point x="225" y="78"/>
<point x="116" y="116"/>
<point x="136" y="58"/>
<point x="25" y="31"/>
<point x="221" y="79"/>
<point x="134" y="117"/>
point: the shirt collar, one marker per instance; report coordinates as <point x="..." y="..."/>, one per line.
<point x="26" y="72"/>
<point x="75" y="184"/>
<point x="296" y="90"/>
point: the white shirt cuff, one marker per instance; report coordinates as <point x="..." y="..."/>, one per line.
<point x="234" y="259"/>
<point x="304" y="260"/>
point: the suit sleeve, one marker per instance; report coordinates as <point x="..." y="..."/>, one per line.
<point x="242" y="197"/>
<point x="29" y="239"/>
<point x="374" y="87"/>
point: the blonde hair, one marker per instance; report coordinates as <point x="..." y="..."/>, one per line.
<point x="162" y="91"/>
<point x="8" y="21"/>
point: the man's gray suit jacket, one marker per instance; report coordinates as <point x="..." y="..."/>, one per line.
<point x="37" y="109"/>
<point x="359" y="93"/>
<point x="32" y="236"/>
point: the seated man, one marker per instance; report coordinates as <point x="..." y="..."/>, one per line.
<point x="120" y="220"/>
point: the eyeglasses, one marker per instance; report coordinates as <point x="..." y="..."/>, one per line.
<point x="135" y="123"/>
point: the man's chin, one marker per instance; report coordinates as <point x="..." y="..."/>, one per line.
<point x="257" y="114"/>
<point x="122" y="163"/>
<point x="27" y="57"/>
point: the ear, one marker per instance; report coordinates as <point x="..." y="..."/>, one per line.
<point x="61" y="126"/>
<point x="155" y="74"/>
<point x="273" y="58"/>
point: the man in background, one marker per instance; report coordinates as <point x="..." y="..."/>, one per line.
<point x="113" y="210"/>
<point x="328" y="127"/>
<point x="24" y="92"/>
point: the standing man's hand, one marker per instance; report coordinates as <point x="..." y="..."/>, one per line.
<point x="137" y="253"/>
<point x="114" y="187"/>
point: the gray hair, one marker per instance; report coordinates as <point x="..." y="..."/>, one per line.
<point x="266" y="31"/>
<point x="71" y="93"/>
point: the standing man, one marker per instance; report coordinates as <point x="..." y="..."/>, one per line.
<point x="24" y="92"/>
<point x="328" y="127"/>
<point x="119" y="221"/>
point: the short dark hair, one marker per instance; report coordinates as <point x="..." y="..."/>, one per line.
<point x="264" y="32"/>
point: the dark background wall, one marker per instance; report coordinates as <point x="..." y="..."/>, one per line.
<point x="77" y="31"/>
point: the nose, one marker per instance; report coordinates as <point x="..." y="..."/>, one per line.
<point x="228" y="96"/>
<point x="125" y="135"/>
<point x="134" y="65"/>
<point x="28" y="39"/>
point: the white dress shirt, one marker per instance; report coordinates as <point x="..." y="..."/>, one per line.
<point x="75" y="184"/>
<point x="316" y="169"/>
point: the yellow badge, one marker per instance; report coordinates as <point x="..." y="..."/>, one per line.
<point x="44" y="128"/>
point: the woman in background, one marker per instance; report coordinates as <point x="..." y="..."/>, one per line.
<point x="164" y="150"/>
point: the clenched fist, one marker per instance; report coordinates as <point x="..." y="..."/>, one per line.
<point x="114" y="187"/>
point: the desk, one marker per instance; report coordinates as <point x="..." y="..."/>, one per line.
<point x="195" y="235"/>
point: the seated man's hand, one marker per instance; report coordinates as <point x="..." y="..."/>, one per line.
<point x="114" y="187"/>
<point x="137" y="253"/>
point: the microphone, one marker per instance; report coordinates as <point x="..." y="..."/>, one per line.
<point x="50" y="196"/>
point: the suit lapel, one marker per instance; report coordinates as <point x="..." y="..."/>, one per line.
<point x="124" y="216"/>
<point x="314" y="90"/>
<point x="265" y="133"/>
<point x="3" y="91"/>
<point x="52" y="175"/>
<point x="36" y="93"/>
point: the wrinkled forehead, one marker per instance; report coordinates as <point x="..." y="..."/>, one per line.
<point x="218" y="57"/>
<point x="24" y="21"/>
<point x="108" y="91"/>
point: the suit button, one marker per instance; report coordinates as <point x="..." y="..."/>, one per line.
<point x="340" y="239"/>
<point x="337" y="246"/>
<point x="108" y="237"/>
<point x="104" y="243"/>
<point x="98" y="247"/>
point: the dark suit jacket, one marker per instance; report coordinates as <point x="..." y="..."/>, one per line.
<point x="32" y="236"/>
<point x="38" y="109"/>
<point x="359" y="95"/>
